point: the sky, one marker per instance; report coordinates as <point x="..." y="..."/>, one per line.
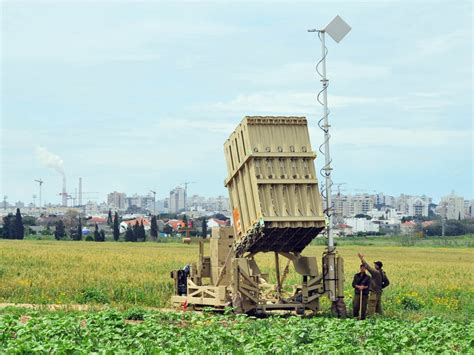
<point x="136" y="96"/>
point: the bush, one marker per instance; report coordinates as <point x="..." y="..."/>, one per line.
<point x="411" y="303"/>
<point x="135" y="314"/>
<point x="93" y="295"/>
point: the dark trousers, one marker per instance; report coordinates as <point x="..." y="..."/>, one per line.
<point x="356" y="305"/>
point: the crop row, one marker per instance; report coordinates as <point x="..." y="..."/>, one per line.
<point x="137" y="331"/>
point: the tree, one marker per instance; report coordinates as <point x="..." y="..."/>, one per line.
<point x="136" y="231"/>
<point x="60" y="232"/>
<point x="142" y="231"/>
<point x="116" y="227"/>
<point x="6" y="227"/>
<point x="96" y="233"/>
<point x="154" y="227"/>
<point x="204" y="228"/>
<point x="78" y="234"/>
<point x="70" y="219"/>
<point x="109" y="218"/>
<point x="19" y="228"/>
<point x="185" y="220"/>
<point x="102" y="235"/>
<point x="129" y="235"/>
<point x="29" y="221"/>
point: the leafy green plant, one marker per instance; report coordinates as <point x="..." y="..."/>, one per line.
<point x="92" y="295"/>
<point x="27" y="331"/>
<point x="411" y="303"/>
<point x="135" y="314"/>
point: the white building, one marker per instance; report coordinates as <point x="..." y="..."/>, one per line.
<point x="451" y="207"/>
<point x="417" y="207"/>
<point x="351" y="205"/>
<point x="362" y="225"/>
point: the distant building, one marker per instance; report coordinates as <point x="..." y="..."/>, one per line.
<point x="177" y="200"/>
<point x="131" y="222"/>
<point x="19" y="204"/>
<point x="362" y="225"/>
<point x="342" y="229"/>
<point x="451" y="207"/>
<point x="417" y="207"/>
<point x="117" y="200"/>
<point x="162" y="205"/>
<point x="214" y="222"/>
<point x="144" y="202"/>
<point x="351" y="205"/>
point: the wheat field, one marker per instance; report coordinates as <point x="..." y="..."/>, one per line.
<point x="425" y="281"/>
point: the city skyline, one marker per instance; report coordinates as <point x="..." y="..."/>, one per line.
<point x="148" y="195"/>
<point x="141" y="98"/>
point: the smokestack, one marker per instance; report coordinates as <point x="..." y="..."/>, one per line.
<point x="64" y="193"/>
<point x="80" y="192"/>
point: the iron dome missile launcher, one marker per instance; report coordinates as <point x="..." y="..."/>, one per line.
<point x="277" y="208"/>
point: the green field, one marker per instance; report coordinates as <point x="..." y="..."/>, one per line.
<point x="429" y="305"/>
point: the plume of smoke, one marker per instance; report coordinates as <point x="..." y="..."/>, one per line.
<point x="50" y="160"/>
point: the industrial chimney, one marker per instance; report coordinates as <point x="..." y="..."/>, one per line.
<point x="64" y="193"/>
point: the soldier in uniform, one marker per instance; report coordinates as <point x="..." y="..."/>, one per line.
<point x="360" y="283"/>
<point x="378" y="282"/>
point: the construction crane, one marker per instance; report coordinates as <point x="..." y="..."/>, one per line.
<point x="339" y="187"/>
<point x="40" y="183"/>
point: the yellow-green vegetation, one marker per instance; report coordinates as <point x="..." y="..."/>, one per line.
<point x="425" y="281"/>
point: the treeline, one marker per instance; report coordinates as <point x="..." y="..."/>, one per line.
<point x="73" y="226"/>
<point x="13" y="227"/>
<point x="453" y="227"/>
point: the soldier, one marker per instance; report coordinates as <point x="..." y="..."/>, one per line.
<point x="378" y="281"/>
<point x="360" y="284"/>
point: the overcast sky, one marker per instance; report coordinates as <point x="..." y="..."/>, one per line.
<point x="134" y="96"/>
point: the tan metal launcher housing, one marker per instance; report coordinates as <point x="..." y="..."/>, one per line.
<point x="277" y="208"/>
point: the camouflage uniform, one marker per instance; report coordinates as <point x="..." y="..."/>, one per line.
<point x="376" y="285"/>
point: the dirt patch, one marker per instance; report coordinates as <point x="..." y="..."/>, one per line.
<point x="131" y="321"/>
<point x="24" y="319"/>
<point x="77" y="307"/>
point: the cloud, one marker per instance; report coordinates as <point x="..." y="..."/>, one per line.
<point x="61" y="35"/>
<point x="268" y="102"/>
<point x="304" y="73"/>
<point x="442" y="43"/>
<point x="372" y="137"/>
<point x="193" y="125"/>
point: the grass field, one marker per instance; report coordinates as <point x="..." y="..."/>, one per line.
<point x="426" y="281"/>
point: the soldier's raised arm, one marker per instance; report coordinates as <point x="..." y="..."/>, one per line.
<point x="366" y="264"/>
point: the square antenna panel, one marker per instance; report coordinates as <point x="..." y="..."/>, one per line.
<point x="337" y="29"/>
